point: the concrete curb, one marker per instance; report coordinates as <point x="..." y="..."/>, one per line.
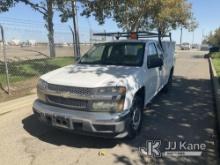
<point x="216" y="91"/>
<point x="19" y="103"/>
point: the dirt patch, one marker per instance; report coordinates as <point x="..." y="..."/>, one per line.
<point x="18" y="89"/>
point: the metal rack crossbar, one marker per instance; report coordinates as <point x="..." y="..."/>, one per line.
<point x="141" y="34"/>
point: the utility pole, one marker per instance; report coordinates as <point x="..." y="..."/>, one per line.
<point x="193" y="36"/>
<point x="181" y="35"/>
<point x="74" y="41"/>
<point x="203" y="34"/>
<point x="90" y="36"/>
<point x="75" y="28"/>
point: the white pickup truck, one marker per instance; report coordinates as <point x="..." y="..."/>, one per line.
<point x="105" y="92"/>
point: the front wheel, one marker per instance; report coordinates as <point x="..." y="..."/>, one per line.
<point x="135" y="117"/>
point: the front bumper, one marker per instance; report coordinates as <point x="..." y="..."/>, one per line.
<point x="102" y="124"/>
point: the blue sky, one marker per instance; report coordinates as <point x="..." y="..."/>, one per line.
<point x="23" y="23"/>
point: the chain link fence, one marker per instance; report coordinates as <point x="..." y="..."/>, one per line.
<point x="27" y="56"/>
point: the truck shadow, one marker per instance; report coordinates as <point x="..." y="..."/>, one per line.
<point x="61" y="137"/>
<point x="186" y="113"/>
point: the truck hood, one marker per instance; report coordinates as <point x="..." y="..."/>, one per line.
<point x="90" y="76"/>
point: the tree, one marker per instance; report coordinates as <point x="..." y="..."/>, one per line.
<point x="135" y="15"/>
<point x="5" y="5"/>
<point x="213" y="38"/>
<point x="46" y="8"/>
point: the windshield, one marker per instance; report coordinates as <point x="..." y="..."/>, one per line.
<point x="128" y="54"/>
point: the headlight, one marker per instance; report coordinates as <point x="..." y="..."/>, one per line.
<point x="104" y="106"/>
<point x="41" y="96"/>
<point x="108" y="106"/>
<point x="114" y="105"/>
<point x="42" y="85"/>
<point x="112" y="90"/>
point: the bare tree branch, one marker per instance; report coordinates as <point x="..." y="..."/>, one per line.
<point x="35" y="6"/>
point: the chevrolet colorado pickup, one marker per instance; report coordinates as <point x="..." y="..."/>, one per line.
<point x="105" y="92"/>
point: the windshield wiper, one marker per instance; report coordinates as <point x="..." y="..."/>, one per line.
<point x="92" y="63"/>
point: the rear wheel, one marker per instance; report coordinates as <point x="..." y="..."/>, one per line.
<point x="167" y="87"/>
<point x="135" y="117"/>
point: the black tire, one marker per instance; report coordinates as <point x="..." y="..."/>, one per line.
<point x="136" y="117"/>
<point x="167" y="87"/>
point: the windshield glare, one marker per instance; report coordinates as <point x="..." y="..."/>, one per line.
<point x="128" y="54"/>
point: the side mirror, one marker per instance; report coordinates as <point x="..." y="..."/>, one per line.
<point x="154" y="62"/>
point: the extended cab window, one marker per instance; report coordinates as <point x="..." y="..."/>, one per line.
<point x="151" y="52"/>
<point x="160" y="51"/>
<point x="127" y="54"/>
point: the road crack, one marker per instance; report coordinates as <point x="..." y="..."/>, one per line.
<point x="27" y="149"/>
<point x="80" y="156"/>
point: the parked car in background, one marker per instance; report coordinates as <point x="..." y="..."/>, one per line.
<point x="185" y="46"/>
<point x="104" y="94"/>
<point x="213" y="49"/>
<point x="195" y="46"/>
<point x="204" y="47"/>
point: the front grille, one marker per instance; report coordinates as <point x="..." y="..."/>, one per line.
<point x="68" y="102"/>
<point x="74" y="90"/>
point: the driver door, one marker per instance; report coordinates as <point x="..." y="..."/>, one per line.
<point x="153" y="74"/>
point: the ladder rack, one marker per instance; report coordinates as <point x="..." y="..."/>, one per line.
<point x="134" y="35"/>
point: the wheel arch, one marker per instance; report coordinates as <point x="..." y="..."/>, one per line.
<point x="172" y="69"/>
<point x="141" y="93"/>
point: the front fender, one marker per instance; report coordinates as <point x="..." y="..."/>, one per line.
<point x="133" y="84"/>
